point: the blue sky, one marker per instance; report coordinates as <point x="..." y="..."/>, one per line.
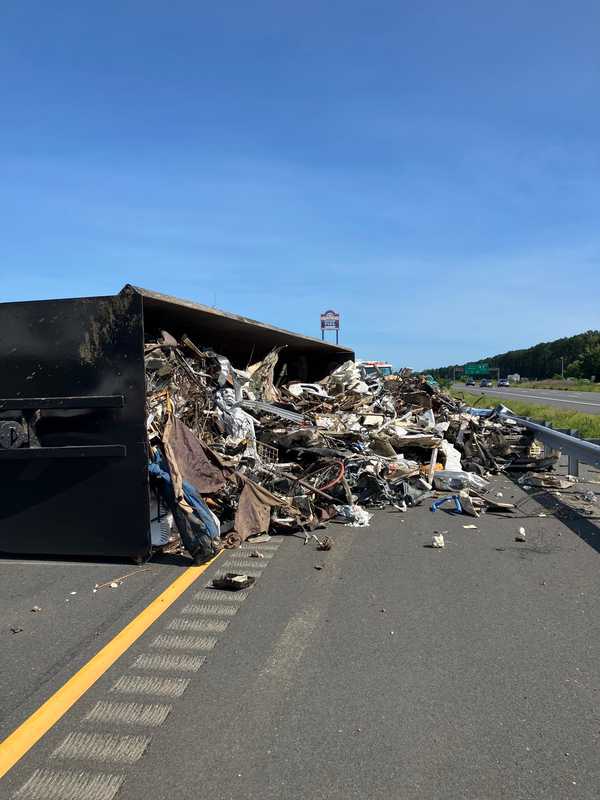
<point x="430" y="170"/>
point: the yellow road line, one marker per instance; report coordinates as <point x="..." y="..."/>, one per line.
<point x="14" y="747"/>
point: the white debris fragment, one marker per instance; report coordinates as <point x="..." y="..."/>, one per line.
<point x="453" y="456"/>
<point x="470" y="527"/>
<point x="438" y="540"/>
<point x="114" y="585"/>
<point x="356" y="515"/>
<point x="521" y="535"/>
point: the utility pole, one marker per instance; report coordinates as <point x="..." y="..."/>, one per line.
<point x="562" y="367"/>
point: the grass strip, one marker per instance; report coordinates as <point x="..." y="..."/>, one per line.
<point x="563" y="386"/>
<point x="588" y="425"/>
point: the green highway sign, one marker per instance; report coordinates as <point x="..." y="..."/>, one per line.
<point x="477" y="369"/>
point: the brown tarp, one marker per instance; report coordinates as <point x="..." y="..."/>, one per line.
<point x="191" y="460"/>
<point x="254" y="510"/>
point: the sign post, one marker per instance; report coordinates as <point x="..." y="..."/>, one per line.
<point x="330" y="321"/>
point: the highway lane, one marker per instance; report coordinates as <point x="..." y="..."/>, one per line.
<point x="393" y="670"/>
<point x="41" y="649"/>
<point x="583" y="402"/>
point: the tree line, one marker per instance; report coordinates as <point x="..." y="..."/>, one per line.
<point x="581" y="354"/>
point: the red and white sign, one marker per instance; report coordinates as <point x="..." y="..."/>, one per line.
<point x="330" y="320"/>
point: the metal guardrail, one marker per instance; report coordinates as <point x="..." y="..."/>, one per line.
<point x="577" y="450"/>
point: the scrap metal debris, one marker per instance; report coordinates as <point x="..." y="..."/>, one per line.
<point x="237" y="453"/>
<point x="233" y="582"/>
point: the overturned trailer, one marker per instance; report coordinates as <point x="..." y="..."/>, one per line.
<point x="73" y="436"/>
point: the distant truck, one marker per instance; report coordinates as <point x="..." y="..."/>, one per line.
<point x="382" y="368"/>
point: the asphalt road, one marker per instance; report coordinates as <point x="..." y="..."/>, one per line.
<point x="41" y="649"/>
<point x="394" y="671"/>
<point x="584" y="402"/>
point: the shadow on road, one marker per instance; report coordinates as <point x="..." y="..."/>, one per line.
<point x="584" y="526"/>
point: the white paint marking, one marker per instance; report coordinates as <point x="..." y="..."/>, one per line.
<point x="239" y="563"/>
<point x="210" y="610"/>
<point x="244" y="552"/>
<point x="198" y="625"/>
<point x="220" y="596"/>
<point x="169" y="662"/>
<point x="128" y="714"/>
<point x="289" y="649"/>
<point x="262" y="548"/>
<point x="46" y="784"/>
<point x="149" y="684"/>
<point x="103" y="747"/>
<point x="231" y="566"/>
<point x="166" y="642"/>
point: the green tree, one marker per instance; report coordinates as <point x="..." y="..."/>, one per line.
<point x="590" y="362"/>
<point x="574" y="369"/>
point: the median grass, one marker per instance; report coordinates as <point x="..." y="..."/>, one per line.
<point x="588" y="425"/>
<point x="563" y="386"/>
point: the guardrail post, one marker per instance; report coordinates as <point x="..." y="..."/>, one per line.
<point x="573" y="460"/>
<point x="548" y="450"/>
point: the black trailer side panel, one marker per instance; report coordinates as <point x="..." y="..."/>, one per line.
<point x="72" y="376"/>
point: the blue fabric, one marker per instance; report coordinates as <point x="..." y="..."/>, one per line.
<point x="159" y="469"/>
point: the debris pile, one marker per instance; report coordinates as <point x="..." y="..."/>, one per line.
<point x="238" y="453"/>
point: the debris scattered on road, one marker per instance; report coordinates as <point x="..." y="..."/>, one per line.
<point x="114" y="583"/>
<point x="438" y="540"/>
<point x="326" y="543"/>
<point x="35" y="609"/>
<point x="237" y="452"/>
<point x="454" y="498"/>
<point x="521" y="535"/>
<point x="256" y="554"/>
<point x="356" y="516"/>
<point x="546" y="481"/>
<point x="470" y="527"/>
<point x="233" y="582"/>
<point x="16" y="629"/>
